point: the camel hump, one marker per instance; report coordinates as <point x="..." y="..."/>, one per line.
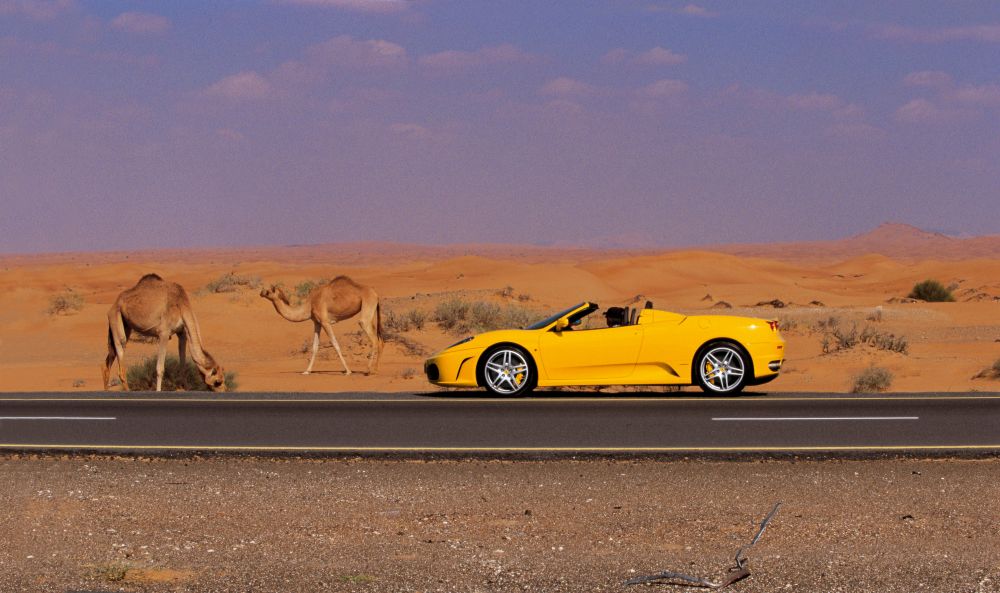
<point x="148" y="277"/>
<point x="344" y="280"/>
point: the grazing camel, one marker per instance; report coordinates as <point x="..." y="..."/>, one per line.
<point x="339" y="299"/>
<point x="159" y="309"/>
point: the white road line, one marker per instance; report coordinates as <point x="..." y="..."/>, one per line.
<point x="58" y="418"/>
<point x="817" y="418"/>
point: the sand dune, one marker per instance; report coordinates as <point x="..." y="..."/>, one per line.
<point x="949" y="342"/>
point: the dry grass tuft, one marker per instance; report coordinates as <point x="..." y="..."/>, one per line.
<point x="231" y="282"/>
<point x="872" y="380"/>
<point x="404" y="322"/>
<point x="66" y="302"/>
<point x="462" y="317"/>
<point x="142" y="376"/>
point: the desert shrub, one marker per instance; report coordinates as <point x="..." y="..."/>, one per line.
<point x="142" y="376"/>
<point x="231" y="282"/>
<point x="506" y="292"/>
<point x="404" y="322"/>
<point x="302" y="289"/>
<point x="931" y="291"/>
<point x="872" y="380"/>
<point x="458" y="316"/>
<point x="990" y="372"/>
<point x="827" y="324"/>
<point x="839" y="338"/>
<point x="66" y="302"/>
<point x="787" y="324"/>
<point x="876" y="315"/>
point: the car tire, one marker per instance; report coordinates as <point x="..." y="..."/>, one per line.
<point x="722" y="368"/>
<point x="508" y="371"/>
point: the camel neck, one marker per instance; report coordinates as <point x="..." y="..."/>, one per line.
<point x="302" y="312"/>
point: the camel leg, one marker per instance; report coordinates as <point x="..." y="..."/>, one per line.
<point x="117" y="337"/>
<point x="312" y="359"/>
<point x="182" y="341"/>
<point x="336" y="346"/>
<point x="367" y="323"/>
<point x="108" y="361"/>
<point x="161" y="359"/>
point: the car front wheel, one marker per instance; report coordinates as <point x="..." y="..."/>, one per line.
<point x="722" y="368"/>
<point x="508" y="371"/>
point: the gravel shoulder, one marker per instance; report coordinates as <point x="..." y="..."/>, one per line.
<point x="279" y="525"/>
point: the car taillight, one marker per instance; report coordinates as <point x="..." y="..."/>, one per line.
<point x="774" y="325"/>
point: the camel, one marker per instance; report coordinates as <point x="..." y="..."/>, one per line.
<point x="339" y="299"/>
<point x="159" y="309"/>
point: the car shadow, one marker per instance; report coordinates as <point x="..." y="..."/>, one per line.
<point x="588" y="394"/>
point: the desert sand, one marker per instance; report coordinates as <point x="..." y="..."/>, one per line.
<point x="858" y="280"/>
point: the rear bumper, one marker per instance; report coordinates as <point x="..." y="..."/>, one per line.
<point x="768" y="358"/>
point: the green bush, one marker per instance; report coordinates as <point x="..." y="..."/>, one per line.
<point x="931" y="291"/>
<point x="872" y="380"/>
<point x="461" y="317"/>
<point x="66" y="302"/>
<point x="142" y="376"/>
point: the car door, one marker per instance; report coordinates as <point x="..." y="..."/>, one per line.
<point x="590" y="355"/>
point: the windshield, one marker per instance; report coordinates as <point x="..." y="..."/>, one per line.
<point x="553" y="318"/>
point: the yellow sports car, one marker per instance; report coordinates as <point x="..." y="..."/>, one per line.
<point x="721" y="354"/>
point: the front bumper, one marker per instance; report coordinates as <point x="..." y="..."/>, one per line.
<point x="453" y="369"/>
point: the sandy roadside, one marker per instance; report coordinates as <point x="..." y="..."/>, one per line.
<point x="106" y="524"/>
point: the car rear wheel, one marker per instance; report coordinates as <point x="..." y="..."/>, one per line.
<point x="508" y="371"/>
<point x="722" y="367"/>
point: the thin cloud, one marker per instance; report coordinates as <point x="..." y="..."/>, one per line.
<point x="983" y="96"/>
<point x="39" y="10"/>
<point x="344" y="50"/>
<point x="694" y="10"/>
<point x="663" y="88"/>
<point x="922" y="111"/>
<point x="928" y="78"/>
<point x="141" y="23"/>
<point x="815" y="102"/>
<point x="566" y="86"/>
<point x="657" y="56"/>
<point x="371" y="6"/>
<point x="978" y="33"/>
<point x="459" y="59"/>
<point x="699" y="11"/>
<point x="243" y="86"/>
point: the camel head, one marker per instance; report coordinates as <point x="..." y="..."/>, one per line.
<point x="272" y="293"/>
<point x="215" y="378"/>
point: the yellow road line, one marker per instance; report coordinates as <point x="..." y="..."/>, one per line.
<point x="438" y="400"/>
<point x="505" y="449"/>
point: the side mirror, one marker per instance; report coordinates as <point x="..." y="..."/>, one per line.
<point x="561" y="325"/>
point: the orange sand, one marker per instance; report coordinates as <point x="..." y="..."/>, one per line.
<point x="949" y="342"/>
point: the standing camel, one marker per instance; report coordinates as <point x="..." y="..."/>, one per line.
<point x="339" y="299"/>
<point x="158" y="309"/>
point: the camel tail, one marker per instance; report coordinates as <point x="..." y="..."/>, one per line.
<point x="378" y="322"/>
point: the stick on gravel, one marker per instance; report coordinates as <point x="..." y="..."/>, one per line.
<point x="735" y="573"/>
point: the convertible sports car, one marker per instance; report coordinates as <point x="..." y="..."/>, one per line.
<point x="721" y="354"/>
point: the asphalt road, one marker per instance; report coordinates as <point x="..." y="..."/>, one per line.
<point x="467" y="423"/>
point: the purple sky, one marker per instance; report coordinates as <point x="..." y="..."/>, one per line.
<point x="188" y="123"/>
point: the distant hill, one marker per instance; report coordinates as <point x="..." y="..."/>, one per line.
<point x="891" y="239"/>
